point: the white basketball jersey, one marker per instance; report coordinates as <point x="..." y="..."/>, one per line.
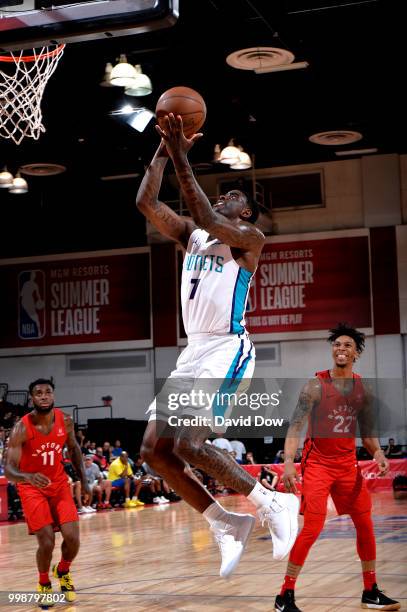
<point x="214" y="288"/>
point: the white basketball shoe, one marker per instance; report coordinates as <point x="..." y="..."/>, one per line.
<point x="232" y="539"/>
<point x="281" y="516"/>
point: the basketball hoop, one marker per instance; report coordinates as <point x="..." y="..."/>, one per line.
<point x="22" y="84"/>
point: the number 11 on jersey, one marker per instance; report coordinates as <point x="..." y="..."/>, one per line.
<point x="45" y="458"/>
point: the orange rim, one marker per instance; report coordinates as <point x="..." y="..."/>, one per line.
<point x="32" y="58"/>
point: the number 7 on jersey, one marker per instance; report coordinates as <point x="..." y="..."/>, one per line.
<point x="195" y="283"/>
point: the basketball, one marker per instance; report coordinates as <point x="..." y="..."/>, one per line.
<point x="182" y="101"/>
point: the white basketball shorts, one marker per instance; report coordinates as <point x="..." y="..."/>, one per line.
<point x="211" y="372"/>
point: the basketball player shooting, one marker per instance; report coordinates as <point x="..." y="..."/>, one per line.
<point x="213" y="297"/>
<point x="332" y="403"/>
<point x="34" y="462"/>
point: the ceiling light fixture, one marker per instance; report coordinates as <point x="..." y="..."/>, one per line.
<point x="295" y="66"/>
<point x="335" y="137"/>
<point x="141" y="85"/>
<point x="255" y="58"/>
<point x="6" y="178"/>
<point x="123" y="74"/>
<point x="19" y="185"/>
<point x="230" y="154"/>
<point x="244" y="162"/>
<point x="137" y="118"/>
<point x="140" y="119"/>
<point x="356" y="152"/>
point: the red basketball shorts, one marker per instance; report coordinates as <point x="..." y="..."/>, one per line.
<point x="339" y="477"/>
<point x="42" y="508"/>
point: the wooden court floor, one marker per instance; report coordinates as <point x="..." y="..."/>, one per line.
<point x="164" y="559"/>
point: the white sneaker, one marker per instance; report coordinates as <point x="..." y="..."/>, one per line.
<point x="231" y="540"/>
<point x="156" y="500"/>
<point x="281" y="516"/>
<point x="81" y="510"/>
<point x="89" y="509"/>
<point x="164" y="500"/>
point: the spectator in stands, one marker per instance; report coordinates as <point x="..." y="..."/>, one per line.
<point x="117" y="450"/>
<point x="83" y="443"/>
<point x="393" y="451"/>
<point x="76" y="492"/>
<point x="92" y="448"/>
<point x="80" y="437"/>
<point x="121" y="475"/>
<point x="6" y="409"/>
<point x="279" y="458"/>
<point x="97" y="485"/>
<point x="101" y="461"/>
<point x="9" y="419"/>
<point x="15" y="510"/>
<point x="221" y="442"/>
<point x="239" y="449"/>
<point x="85" y="447"/>
<point x="2" y="437"/>
<point x="75" y="484"/>
<point x="149" y="480"/>
<point x="250" y="459"/>
<point x="107" y="452"/>
<point x="268" y="478"/>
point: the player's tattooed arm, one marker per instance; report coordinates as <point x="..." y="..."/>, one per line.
<point x="369" y="431"/>
<point x="243" y="236"/>
<point x="161" y="216"/>
<point x="309" y="397"/>
<point x="13" y="454"/>
<point x="75" y="453"/>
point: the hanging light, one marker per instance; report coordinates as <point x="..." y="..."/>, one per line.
<point x="123" y="74"/>
<point x="244" y="162"/>
<point x="141" y="85"/>
<point x="106" y="82"/>
<point x="136" y="117"/>
<point x="140" y="119"/>
<point x="6" y="178"/>
<point x="19" y="185"/>
<point x="230" y="154"/>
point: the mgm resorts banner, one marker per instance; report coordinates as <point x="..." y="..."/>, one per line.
<point x="336" y="411"/>
<point x="76" y="300"/>
<point x="311" y="284"/>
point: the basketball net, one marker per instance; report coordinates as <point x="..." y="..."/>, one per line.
<point x="22" y="83"/>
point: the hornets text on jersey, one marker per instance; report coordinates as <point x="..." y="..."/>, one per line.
<point x="214" y="288"/>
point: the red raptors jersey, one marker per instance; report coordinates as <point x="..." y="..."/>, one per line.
<point x="332" y="424"/>
<point x="41" y="453"/>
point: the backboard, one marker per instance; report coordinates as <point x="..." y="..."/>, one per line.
<point x="36" y="23"/>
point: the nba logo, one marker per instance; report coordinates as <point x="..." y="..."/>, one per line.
<point x="31" y="311"/>
<point x="251" y="300"/>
